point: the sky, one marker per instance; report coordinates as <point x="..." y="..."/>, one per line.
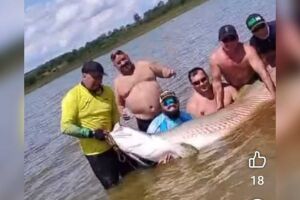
<point x="53" y="27"/>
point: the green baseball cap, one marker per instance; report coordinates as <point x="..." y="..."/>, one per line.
<point x="253" y="20"/>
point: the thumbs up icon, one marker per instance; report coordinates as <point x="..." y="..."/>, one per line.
<point x="257" y="161"/>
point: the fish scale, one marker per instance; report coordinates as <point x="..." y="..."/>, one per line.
<point x="196" y="133"/>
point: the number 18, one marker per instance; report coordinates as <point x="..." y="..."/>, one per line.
<point x="257" y="180"/>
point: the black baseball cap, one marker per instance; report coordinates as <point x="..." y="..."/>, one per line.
<point x="92" y="66"/>
<point x="253" y="20"/>
<point x="227" y="30"/>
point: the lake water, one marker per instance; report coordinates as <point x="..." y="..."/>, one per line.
<point x="54" y="167"/>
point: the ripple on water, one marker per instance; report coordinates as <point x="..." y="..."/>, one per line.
<point x="55" y="168"/>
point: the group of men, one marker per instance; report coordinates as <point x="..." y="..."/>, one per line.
<point x="90" y="109"/>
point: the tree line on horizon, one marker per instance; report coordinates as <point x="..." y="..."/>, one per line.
<point x="100" y="44"/>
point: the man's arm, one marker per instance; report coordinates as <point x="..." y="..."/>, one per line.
<point x="115" y="112"/>
<point x="259" y="67"/>
<point x="69" y="114"/>
<point x="161" y="71"/>
<point x="217" y="83"/>
<point x="233" y="93"/>
<point x="120" y="102"/>
<point x="192" y="109"/>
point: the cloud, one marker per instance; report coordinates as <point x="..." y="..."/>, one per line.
<point x="55" y="27"/>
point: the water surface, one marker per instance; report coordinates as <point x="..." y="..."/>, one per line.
<point x="56" y="169"/>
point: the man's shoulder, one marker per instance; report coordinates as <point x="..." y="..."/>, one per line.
<point x="74" y="90"/>
<point x="117" y="80"/>
<point x="248" y="48"/>
<point x="72" y="93"/>
<point x="143" y="63"/>
<point x="272" y="24"/>
<point x="215" y="53"/>
<point x="192" y="101"/>
<point x="108" y="89"/>
<point x="217" y="56"/>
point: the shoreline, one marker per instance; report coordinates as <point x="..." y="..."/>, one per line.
<point x="62" y="69"/>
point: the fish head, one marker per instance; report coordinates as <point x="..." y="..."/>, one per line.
<point x="142" y="146"/>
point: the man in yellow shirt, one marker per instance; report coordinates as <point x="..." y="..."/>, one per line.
<point x="89" y="112"/>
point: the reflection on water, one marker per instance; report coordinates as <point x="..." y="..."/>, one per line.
<point x="54" y="167"/>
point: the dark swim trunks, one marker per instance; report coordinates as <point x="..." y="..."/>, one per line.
<point x="108" y="169"/>
<point x="143" y="124"/>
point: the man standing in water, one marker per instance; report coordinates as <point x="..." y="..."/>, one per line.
<point x="89" y="112"/>
<point x="237" y="62"/>
<point x="264" y="38"/>
<point x="137" y="88"/>
<point x="264" y="41"/>
<point x="203" y="101"/>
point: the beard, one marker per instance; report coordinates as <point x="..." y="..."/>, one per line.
<point x="127" y="68"/>
<point x="172" y="114"/>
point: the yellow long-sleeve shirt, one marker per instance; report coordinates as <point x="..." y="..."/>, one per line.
<point x="81" y="109"/>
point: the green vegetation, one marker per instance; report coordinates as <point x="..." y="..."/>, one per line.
<point x="64" y="63"/>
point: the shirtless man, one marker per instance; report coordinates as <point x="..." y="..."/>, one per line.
<point x="203" y="101"/>
<point x="137" y="89"/>
<point x="237" y="62"/>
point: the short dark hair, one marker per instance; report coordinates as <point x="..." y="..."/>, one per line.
<point x="118" y="52"/>
<point x="193" y="71"/>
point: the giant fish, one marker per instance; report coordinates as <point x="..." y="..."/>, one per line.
<point x="193" y="135"/>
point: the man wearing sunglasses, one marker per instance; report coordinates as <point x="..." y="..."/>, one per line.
<point x="238" y="63"/>
<point x="203" y="101"/>
<point x="171" y="115"/>
<point x="264" y="38"/>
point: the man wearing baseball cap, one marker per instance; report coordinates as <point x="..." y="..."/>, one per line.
<point x="171" y="115"/>
<point x="89" y="112"/>
<point x="238" y="63"/>
<point x="264" y="37"/>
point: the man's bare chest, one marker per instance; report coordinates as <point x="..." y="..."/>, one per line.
<point x="127" y="83"/>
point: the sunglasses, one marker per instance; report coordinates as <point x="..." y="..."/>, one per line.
<point x="169" y="101"/>
<point x="258" y="27"/>
<point x="202" y="80"/>
<point x="230" y="38"/>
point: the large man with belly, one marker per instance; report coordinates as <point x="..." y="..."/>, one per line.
<point x="137" y="89"/>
